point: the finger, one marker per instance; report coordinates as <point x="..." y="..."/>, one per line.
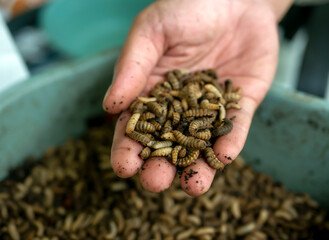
<point x="141" y="52"/>
<point x="197" y="178"/>
<point x="228" y="147"/>
<point x="124" y="154"/>
<point x="157" y="174"/>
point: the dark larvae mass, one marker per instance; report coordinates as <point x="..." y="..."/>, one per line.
<point x="183" y="117"/>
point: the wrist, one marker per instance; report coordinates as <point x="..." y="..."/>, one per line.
<point x="279" y="7"/>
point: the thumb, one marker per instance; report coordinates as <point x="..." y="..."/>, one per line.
<point x="141" y="52"/>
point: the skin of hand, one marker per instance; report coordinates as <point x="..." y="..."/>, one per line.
<point x="238" y="38"/>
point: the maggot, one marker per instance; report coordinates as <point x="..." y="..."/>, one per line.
<point x="189" y="159"/>
<point x="137" y="107"/>
<point x="213" y="89"/>
<point x="177" y="106"/>
<point x="173" y="80"/>
<point x="167" y="127"/>
<point x="222" y="112"/>
<point x="199" y="113"/>
<point x="147" y="116"/>
<point x="212" y="160"/>
<point x="168" y="136"/>
<point x="139" y="137"/>
<point x="146" y="99"/>
<point x="228" y="86"/>
<point x="224" y="129"/>
<point x="146" y="127"/>
<point x="207" y="105"/>
<point x="182" y="153"/>
<point x="170" y="112"/>
<point x="232" y="97"/>
<point x="174" y="154"/>
<point x="145" y="153"/>
<point x="232" y="105"/>
<point x="156" y="108"/>
<point x="198" y="124"/>
<point x="184" y="104"/>
<point x="189" y="142"/>
<point x="161" y="144"/>
<point x="156" y="125"/>
<point x="191" y="96"/>
<point x="132" y="123"/>
<point x="176" y="118"/>
<point x="162" y="152"/>
<point x="203" y="135"/>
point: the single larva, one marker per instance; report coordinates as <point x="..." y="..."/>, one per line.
<point x="132" y="123"/>
<point x="199" y="113"/>
<point x="170" y="112"/>
<point x="189" y="142"/>
<point x="177" y="106"/>
<point x="156" y="108"/>
<point x="139" y="137"/>
<point x="145" y="153"/>
<point x="232" y="97"/>
<point x="146" y="127"/>
<point x="147" y="116"/>
<point x="210" y="96"/>
<point x="203" y="135"/>
<point x="172" y="79"/>
<point x="198" y="124"/>
<point x="222" y="112"/>
<point x="189" y="159"/>
<point x="174" y="154"/>
<point x="146" y="99"/>
<point x="207" y="105"/>
<point x="176" y="118"/>
<point x="233" y="105"/>
<point x="168" y="136"/>
<point x="212" y="160"/>
<point x="191" y="96"/>
<point x="137" y="107"/>
<point x="162" y="144"/>
<point x="156" y="124"/>
<point x="162" y="152"/>
<point x="167" y="127"/>
<point x="184" y="104"/>
<point x="228" y="86"/>
<point x="213" y="89"/>
<point x="224" y="129"/>
<point x="182" y="153"/>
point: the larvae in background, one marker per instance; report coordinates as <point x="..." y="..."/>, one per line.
<point x="199" y="124"/>
<point x="167" y="127"/>
<point x="132" y="123"/>
<point x="214" y="90"/>
<point x="137" y="107"/>
<point x="139" y="137"/>
<point x="162" y="152"/>
<point x="161" y="144"/>
<point x="212" y="160"/>
<point x="233" y="105"/>
<point x="203" y="135"/>
<point x="184" y="104"/>
<point x="176" y="118"/>
<point x="191" y="96"/>
<point x="189" y="159"/>
<point x="210" y="96"/>
<point x="224" y="129"/>
<point x="145" y="153"/>
<point x="167" y="85"/>
<point x="146" y="127"/>
<point x="228" y="86"/>
<point x="147" y="116"/>
<point x="174" y="154"/>
<point x="189" y="142"/>
<point x="156" y="108"/>
<point x="199" y="113"/>
<point x="172" y="79"/>
<point x="170" y="112"/>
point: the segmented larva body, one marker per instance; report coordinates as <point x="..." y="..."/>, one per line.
<point x="182" y="153"/>
<point x="198" y="124"/>
<point x="162" y="152"/>
<point x="139" y="137"/>
<point x="137" y="107"/>
<point x="132" y="123"/>
<point x="150" y="136"/>
<point x="145" y="153"/>
<point x="233" y="105"/>
<point x="189" y="142"/>
<point x="156" y="108"/>
<point x="146" y="99"/>
<point x="189" y="159"/>
<point x="161" y="144"/>
<point x="191" y="96"/>
<point x="224" y="129"/>
<point x="170" y="112"/>
<point x="177" y="106"/>
<point x="174" y="154"/>
<point x="167" y="127"/>
<point x="210" y="95"/>
<point x="212" y="160"/>
<point x="232" y="97"/>
<point x="176" y="118"/>
<point x="184" y="104"/>
<point x="203" y="135"/>
<point x="147" y="116"/>
<point x="173" y="80"/>
<point x="146" y="127"/>
<point x="199" y="113"/>
<point x="222" y="112"/>
<point x="169" y="136"/>
<point x="156" y="125"/>
<point x="207" y="105"/>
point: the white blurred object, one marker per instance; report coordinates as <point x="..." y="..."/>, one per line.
<point x="12" y="67"/>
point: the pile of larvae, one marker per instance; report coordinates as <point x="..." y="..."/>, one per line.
<point x="183" y="117"/>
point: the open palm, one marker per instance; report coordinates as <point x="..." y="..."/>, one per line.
<point x="236" y="38"/>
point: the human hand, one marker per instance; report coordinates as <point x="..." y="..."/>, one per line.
<point x="238" y="38"/>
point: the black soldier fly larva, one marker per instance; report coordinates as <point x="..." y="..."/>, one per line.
<point x="183" y="116"/>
